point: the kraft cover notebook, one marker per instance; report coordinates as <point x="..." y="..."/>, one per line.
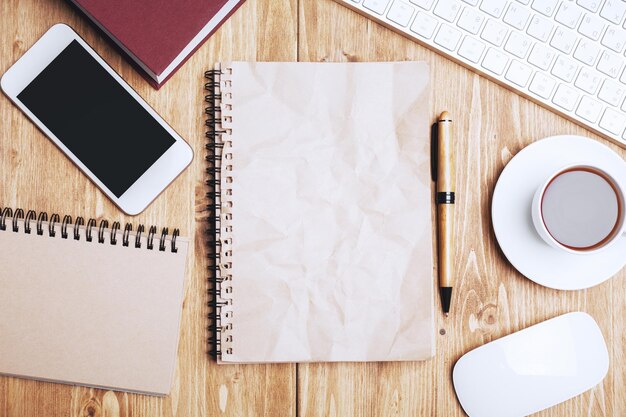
<point x="158" y="35"/>
<point x="90" y="303"/>
<point x="321" y="211"/>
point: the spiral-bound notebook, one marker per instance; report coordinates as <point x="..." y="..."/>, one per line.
<point x="89" y="303"/>
<point x="321" y="210"/>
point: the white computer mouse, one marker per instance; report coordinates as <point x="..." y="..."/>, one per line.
<point x="533" y="369"/>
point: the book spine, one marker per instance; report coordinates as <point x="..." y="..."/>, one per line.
<point x="52" y="226"/>
<point x="219" y="158"/>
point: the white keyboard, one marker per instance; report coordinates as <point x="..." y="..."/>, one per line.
<point x="566" y="55"/>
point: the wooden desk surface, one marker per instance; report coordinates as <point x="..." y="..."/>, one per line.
<point x="491" y="298"/>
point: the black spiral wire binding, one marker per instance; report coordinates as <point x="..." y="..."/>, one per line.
<point x="151" y="233"/>
<point x="213" y="157"/>
<point x="78" y="225"/>
<point x="103" y="225"/>
<point x="54" y="219"/>
<point x="43" y="217"/>
<point x="91" y="223"/>
<point x="140" y="230"/>
<point x="19" y="214"/>
<point x="175" y="234"/>
<point x="126" y="235"/>
<point x="30" y="215"/>
<point x="114" y="228"/>
<point x="6" y="212"/>
<point x="162" y="240"/>
<point x="66" y="220"/>
<point x="79" y="222"/>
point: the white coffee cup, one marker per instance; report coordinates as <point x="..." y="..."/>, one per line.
<point x="579" y="209"/>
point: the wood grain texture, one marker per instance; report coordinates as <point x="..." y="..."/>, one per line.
<point x="491" y="299"/>
<point x="445" y="183"/>
<point x="34" y="174"/>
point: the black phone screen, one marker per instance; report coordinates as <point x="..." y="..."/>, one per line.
<point x="96" y="118"/>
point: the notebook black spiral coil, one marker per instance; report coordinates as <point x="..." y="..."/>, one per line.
<point x="214" y="157"/>
<point x="42" y="224"/>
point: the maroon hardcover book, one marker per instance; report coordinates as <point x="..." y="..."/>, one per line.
<point x="158" y="35"/>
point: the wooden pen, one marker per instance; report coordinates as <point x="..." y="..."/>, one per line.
<point x="445" y="208"/>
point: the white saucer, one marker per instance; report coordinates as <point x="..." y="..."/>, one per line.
<point x="513" y="225"/>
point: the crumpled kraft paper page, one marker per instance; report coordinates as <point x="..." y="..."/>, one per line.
<point x="330" y="222"/>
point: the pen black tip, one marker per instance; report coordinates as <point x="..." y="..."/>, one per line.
<point x="446" y="296"/>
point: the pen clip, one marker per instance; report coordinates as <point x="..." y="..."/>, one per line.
<point x="434" y="134"/>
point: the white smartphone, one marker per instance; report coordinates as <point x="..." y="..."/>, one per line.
<point x="96" y="118"/>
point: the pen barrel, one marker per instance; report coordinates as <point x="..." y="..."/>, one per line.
<point x="445" y="222"/>
<point x="445" y="199"/>
<point x="445" y="158"/>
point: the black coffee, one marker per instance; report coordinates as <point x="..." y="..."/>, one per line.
<point x="581" y="208"/>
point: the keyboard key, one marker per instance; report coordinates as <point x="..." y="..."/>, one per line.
<point x="494" y="32"/>
<point x="424" y="4"/>
<point x="588" y="80"/>
<point x="541" y="56"/>
<point x="518" y="73"/>
<point x="587" y="52"/>
<point x="540" y="28"/>
<point x="517" y="16"/>
<point x="400" y="13"/>
<point x="542" y="85"/>
<point x="569" y="54"/>
<point x="614" y="11"/>
<point x="493" y="7"/>
<point x="613" y="121"/>
<point x="564" y="40"/>
<point x="518" y="44"/>
<point x="612" y="93"/>
<point x="568" y="15"/>
<point x="564" y="68"/>
<point x="495" y="61"/>
<point x="545" y="7"/>
<point x="448" y="37"/>
<point x="424" y="25"/>
<point x="471" y="49"/>
<point x="591" y="26"/>
<point x="614" y="38"/>
<point x="447" y="9"/>
<point x="589" y="109"/>
<point x="565" y="97"/>
<point x="610" y="64"/>
<point x="591" y="5"/>
<point x="377" y="6"/>
<point x="470" y="20"/>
